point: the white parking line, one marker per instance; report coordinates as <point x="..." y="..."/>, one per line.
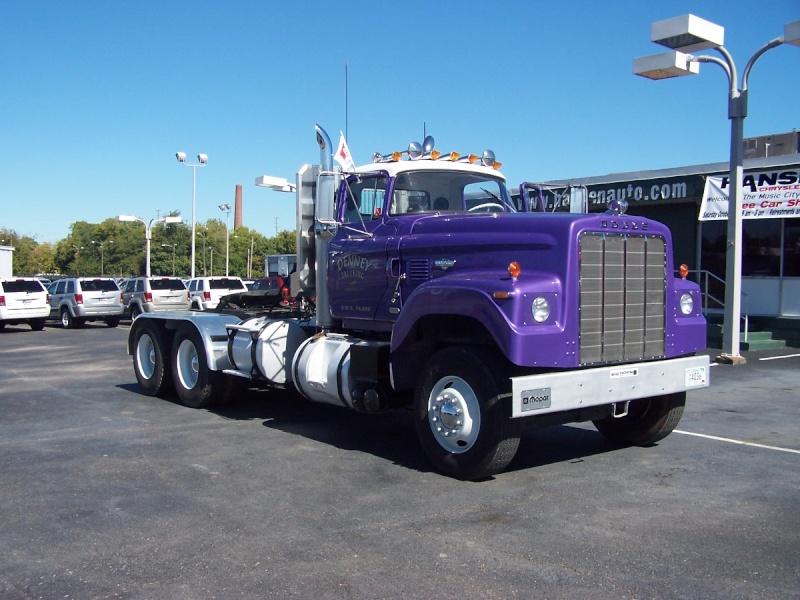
<point x="778" y="357"/>
<point x="739" y="442"/>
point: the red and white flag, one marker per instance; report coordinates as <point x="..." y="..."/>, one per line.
<point x="343" y="156"/>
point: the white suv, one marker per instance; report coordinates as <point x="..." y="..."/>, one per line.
<point x="23" y="300"/>
<point x="154" y="294"/>
<point x="205" y="292"/>
<point x="75" y="300"/>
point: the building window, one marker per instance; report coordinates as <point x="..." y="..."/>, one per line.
<point x="761" y="242"/>
<point x="791" y="248"/>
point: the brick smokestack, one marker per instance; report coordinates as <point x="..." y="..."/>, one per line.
<point x="237" y="211"/>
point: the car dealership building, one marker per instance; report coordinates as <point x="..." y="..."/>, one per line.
<point x="692" y="201"/>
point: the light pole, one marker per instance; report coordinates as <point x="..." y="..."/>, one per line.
<point x="202" y="160"/>
<point x="77" y="258"/>
<point x="100" y="245"/>
<point x="226" y="208"/>
<point x="689" y="33"/>
<point x="278" y="184"/>
<point x="148" y="228"/>
<point x="173" y="255"/>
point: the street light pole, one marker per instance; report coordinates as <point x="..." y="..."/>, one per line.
<point x="202" y="160"/>
<point x="690" y="33"/>
<point x="148" y="227"/>
<point x="100" y="245"/>
<point x="226" y="208"/>
<point x="173" y="255"/>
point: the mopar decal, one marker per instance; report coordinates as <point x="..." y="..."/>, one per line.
<point x="535" y="399"/>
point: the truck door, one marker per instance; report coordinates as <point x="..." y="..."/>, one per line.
<point x="358" y="269"/>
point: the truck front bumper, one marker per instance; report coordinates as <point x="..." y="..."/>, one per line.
<point x="569" y="390"/>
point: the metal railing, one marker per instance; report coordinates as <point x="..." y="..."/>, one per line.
<point x="702" y="278"/>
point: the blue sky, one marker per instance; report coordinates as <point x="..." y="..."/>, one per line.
<point x="96" y="97"/>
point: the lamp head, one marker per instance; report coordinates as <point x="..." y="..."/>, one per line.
<point x="687" y="33"/>
<point x="202" y="158"/>
<point x="181" y="156"/>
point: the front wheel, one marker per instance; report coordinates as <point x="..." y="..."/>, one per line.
<point x="648" y="420"/>
<point x="196" y="384"/>
<point x="462" y="414"/>
<point x="67" y="320"/>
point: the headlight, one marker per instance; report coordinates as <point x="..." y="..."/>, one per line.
<point x="540" y="309"/>
<point x="687" y="303"/>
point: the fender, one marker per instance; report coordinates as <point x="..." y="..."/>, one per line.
<point x="449" y="297"/>
<point x="210" y="326"/>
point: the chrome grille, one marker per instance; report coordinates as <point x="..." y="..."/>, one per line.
<point x="622" y="297"/>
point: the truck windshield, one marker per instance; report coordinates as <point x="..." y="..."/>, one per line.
<point x="448" y="191"/>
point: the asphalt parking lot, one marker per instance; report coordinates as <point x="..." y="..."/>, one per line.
<point x="107" y="493"/>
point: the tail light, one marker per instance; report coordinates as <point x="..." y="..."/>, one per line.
<point x="188" y="295"/>
<point x="122" y="298"/>
<point x="2" y="300"/>
<point x="48" y="298"/>
<point x="78" y="298"/>
<point x="148" y="297"/>
<point x="206" y="296"/>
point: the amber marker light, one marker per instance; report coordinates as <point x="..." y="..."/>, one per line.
<point x="501" y="295"/>
<point x="454" y="156"/>
<point x="684" y="270"/>
<point x="497" y="165"/>
<point x="396" y="156"/>
<point x="514" y="269"/>
<point x="435" y="154"/>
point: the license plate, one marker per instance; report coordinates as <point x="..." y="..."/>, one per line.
<point x="695" y="376"/>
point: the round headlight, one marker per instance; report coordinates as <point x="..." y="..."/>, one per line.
<point x="540" y="309"/>
<point x="687" y="303"/>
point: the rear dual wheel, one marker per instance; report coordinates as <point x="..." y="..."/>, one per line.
<point x="150" y="361"/>
<point x="196" y="384"/>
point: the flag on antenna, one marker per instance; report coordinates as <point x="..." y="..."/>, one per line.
<point x="343" y="156"/>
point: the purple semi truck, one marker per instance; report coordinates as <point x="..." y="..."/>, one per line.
<point x="421" y="284"/>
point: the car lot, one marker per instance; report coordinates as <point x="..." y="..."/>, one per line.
<point x="109" y="493"/>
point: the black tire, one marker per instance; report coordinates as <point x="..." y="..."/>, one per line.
<point x="195" y="383"/>
<point x="135" y="311"/>
<point x="150" y="361"/>
<point x="648" y="420"/>
<point x="476" y="437"/>
<point x="67" y="320"/>
<point x="112" y="321"/>
<point x="37" y="324"/>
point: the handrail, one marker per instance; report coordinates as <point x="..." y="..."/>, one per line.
<point x="705" y="275"/>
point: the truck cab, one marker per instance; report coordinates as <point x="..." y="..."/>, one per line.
<point x="420" y="283"/>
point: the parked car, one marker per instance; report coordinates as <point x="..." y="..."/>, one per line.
<point x="205" y="292"/>
<point x="75" y="300"/>
<point x="154" y="294"/>
<point x="274" y="283"/>
<point x="23" y="300"/>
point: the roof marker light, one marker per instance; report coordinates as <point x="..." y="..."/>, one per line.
<point x="514" y="269"/>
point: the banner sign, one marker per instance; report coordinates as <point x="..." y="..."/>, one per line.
<point x="660" y="190"/>
<point x="765" y="195"/>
